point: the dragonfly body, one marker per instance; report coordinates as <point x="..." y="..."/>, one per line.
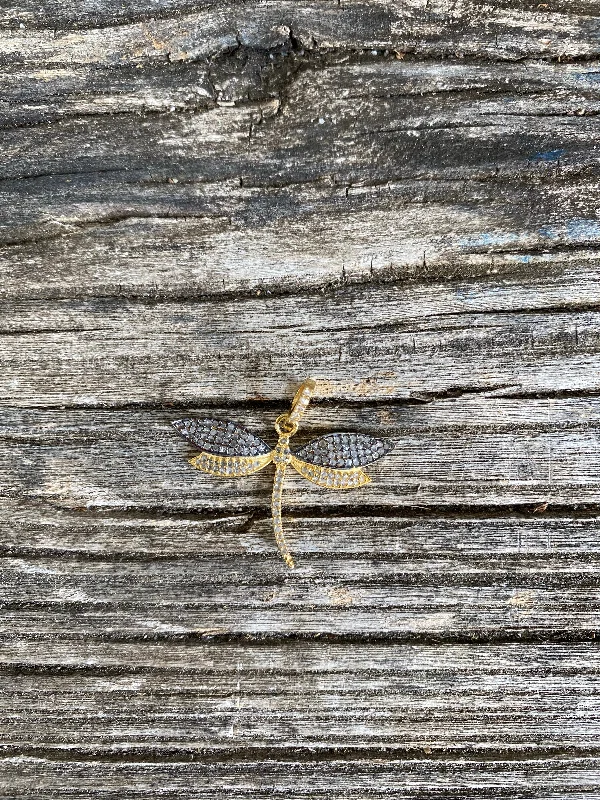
<point x="282" y="456"/>
<point x="334" y="461"/>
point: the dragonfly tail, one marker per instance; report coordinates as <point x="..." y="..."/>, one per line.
<point x="276" y="513"/>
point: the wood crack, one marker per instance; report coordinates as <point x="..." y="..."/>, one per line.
<point x="387" y="752"/>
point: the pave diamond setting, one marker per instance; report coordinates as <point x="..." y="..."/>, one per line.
<point x="221" y="437"/>
<point x="230" y="466"/>
<point x="344" y="450"/>
<point x="330" y="478"/>
<point x="333" y="461"/>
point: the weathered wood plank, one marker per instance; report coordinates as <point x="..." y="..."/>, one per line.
<point x="444" y="587"/>
<point x="169" y="354"/>
<point x="186" y="257"/>
<point x="201" y="581"/>
<point x="415" y="117"/>
<point x="31" y="529"/>
<point x="440" y="28"/>
<point x="191" y="259"/>
<point x="295" y="607"/>
<point x="71" y="657"/>
<point x="118" y="204"/>
<point x="300" y="694"/>
<point x="436" y="596"/>
<point x="191" y="196"/>
<point x="486" y="90"/>
<point x="548" y="283"/>
<point x="576" y="778"/>
<point x="475" y="451"/>
<point x="249" y="701"/>
<point x="167" y="727"/>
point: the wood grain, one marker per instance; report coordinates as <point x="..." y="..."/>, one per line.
<point x="203" y="203"/>
<point x="244" y="198"/>
<point x="173" y="355"/>
<point x="575" y="778"/>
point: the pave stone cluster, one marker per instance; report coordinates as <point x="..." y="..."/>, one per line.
<point x="276" y="497"/>
<point x="344" y="450"/>
<point x="301" y="404"/>
<point x="281" y="458"/>
<point x="222" y="437"/>
<point x="230" y="466"/>
<point x="331" y="478"/>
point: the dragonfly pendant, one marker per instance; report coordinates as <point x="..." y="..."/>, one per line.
<point x="334" y="461"/>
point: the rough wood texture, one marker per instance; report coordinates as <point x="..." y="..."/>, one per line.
<point x="201" y="204"/>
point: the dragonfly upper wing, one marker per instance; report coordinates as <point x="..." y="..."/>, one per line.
<point x="228" y="449"/>
<point x="344" y="450"/>
<point x="221" y="437"/>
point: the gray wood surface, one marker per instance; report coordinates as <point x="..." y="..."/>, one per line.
<point x="202" y="204"/>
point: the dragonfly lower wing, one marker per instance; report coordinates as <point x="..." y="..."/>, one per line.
<point x="330" y="478"/>
<point x="230" y="466"/>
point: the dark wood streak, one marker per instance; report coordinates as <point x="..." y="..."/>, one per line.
<point x="201" y="204"/>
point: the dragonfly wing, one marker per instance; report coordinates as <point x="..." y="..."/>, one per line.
<point x="221" y="437"/>
<point x="344" y="450"/>
<point x="230" y="466"/>
<point x="330" y="478"/>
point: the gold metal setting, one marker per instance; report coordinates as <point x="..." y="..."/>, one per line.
<point x="333" y="461"/>
<point x="230" y="466"/>
<point x="330" y="478"/>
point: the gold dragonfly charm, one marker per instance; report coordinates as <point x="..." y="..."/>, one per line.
<point x="333" y="461"/>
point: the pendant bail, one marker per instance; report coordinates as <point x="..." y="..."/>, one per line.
<point x="301" y="400"/>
